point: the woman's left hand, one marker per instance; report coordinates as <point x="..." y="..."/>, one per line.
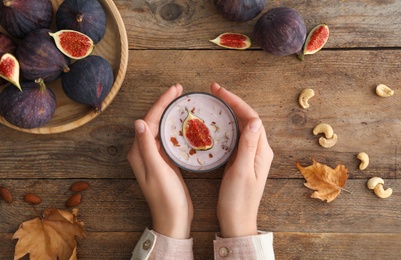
<point x="159" y="179"/>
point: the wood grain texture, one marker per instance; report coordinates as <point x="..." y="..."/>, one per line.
<point x="190" y="24"/>
<point x="168" y="44"/>
<point x="343" y="81"/>
<point x="111" y="205"/>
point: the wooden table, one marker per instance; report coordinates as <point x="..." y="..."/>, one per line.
<point x="169" y="43"/>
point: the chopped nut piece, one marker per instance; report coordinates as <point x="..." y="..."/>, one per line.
<point x="384" y="91"/>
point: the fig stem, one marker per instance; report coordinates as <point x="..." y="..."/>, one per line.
<point x="192" y="116"/>
<point x="6" y="2"/>
<point x="41" y="84"/>
<point x="301" y="56"/>
<point x="80" y="18"/>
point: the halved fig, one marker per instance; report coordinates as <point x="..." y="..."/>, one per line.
<point x="7" y="45"/>
<point x="196" y="133"/>
<point x="73" y="44"/>
<point x="235" y="41"/>
<point x="9" y="69"/>
<point x="315" y="41"/>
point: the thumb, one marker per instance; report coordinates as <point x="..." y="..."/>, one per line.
<point x="248" y="142"/>
<point x="147" y="144"/>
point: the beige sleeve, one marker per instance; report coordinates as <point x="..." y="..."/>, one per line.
<point x="258" y="247"/>
<point x="153" y="245"/>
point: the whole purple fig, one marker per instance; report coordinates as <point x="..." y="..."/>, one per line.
<point x="30" y="108"/>
<point x="240" y="10"/>
<point x="7" y="45"/>
<point x="39" y="57"/>
<point x="88" y="81"/>
<point x="85" y="16"/>
<point x="19" y="17"/>
<point x="280" y="31"/>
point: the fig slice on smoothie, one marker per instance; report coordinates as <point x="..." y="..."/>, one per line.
<point x="196" y="133"/>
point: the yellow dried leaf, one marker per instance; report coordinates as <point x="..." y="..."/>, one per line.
<point x="324" y="180"/>
<point x="50" y="237"/>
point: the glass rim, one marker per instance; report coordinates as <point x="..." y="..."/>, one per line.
<point x="236" y="132"/>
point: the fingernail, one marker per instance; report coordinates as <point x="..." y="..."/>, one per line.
<point x="140" y="127"/>
<point x="254" y="126"/>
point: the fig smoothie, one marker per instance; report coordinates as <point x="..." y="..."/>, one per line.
<point x="198" y="132"/>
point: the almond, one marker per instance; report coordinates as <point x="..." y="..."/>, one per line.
<point x="79" y="186"/>
<point x="73" y="201"/>
<point x="32" y="198"/>
<point x="6" y="195"/>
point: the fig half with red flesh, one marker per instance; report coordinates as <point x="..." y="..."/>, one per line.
<point x="7" y="45"/>
<point x="235" y="41"/>
<point x="19" y="17"/>
<point x="9" y="69"/>
<point x="316" y="40"/>
<point x="73" y="44"/>
<point x="196" y="133"/>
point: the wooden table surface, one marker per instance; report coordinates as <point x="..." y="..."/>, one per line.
<point x="169" y="43"/>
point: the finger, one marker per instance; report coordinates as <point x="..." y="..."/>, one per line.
<point x="241" y="109"/>
<point x="248" y="143"/>
<point x="154" y="114"/>
<point x="264" y="156"/>
<point x="148" y="148"/>
<point x="135" y="159"/>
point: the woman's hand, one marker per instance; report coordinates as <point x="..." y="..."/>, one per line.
<point x="160" y="180"/>
<point x="246" y="172"/>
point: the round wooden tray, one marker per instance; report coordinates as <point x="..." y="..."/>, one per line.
<point x="113" y="47"/>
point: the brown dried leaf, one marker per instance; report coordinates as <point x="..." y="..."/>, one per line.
<point x="326" y="181"/>
<point x="49" y="237"/>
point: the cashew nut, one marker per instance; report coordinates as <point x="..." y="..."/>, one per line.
<point x="381" y="193"/>
<point x="373" y="182"/>
<point x="364" y="157"/>
<point x="376" y="183"/>
<point x="329" y="142"/>
<point x="324" y="128"/>
<point x="384" y="91"/>
<point x="304" y="97"/>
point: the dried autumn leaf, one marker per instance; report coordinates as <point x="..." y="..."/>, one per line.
<point x="324" y="180"/>
<point x="49" y="237"/>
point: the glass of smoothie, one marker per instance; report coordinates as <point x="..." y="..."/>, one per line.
<point x="198" y="132"/>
